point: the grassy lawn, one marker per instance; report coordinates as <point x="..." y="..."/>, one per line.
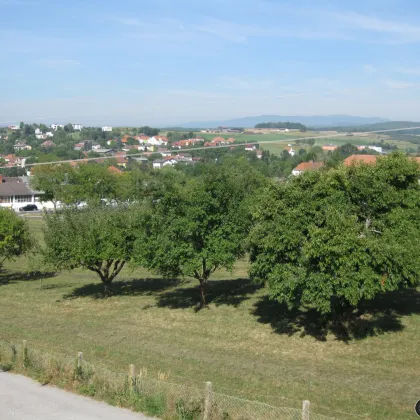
<point x="244" y="343"/>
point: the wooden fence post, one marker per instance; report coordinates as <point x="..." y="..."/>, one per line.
<point x="208" y="401"/>
<point x="79" y="359"/>
<point x="131" y="377"/>
<point x="305" y="410"/>
<point x="24" y="352"/>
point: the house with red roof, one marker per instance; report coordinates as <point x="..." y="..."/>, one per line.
<point x="307" y="166"/>
<point x="114" y="170"/>
<point x="360" y="159"/>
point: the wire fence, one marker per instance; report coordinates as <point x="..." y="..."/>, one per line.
<point x="138" y="390"/>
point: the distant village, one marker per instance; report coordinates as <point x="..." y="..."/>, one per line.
<point x="126" y="146"/>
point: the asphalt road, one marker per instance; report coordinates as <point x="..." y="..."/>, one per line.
<point x="22" y="398"/>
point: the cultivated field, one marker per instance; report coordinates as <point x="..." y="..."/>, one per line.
<point x="244" y="343"/>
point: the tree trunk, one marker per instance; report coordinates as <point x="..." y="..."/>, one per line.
<point x="203" y="292"/>
<point x="107" y="288"/>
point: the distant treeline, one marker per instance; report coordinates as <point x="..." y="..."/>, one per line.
<point x="389" y="125"/>
<point x="289" y="125"/>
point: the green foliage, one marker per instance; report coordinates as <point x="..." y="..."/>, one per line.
<point x="200" y="225"/>
<point x="192" y="410"/>
<point x="288" y="125"/>
<point x="149" y="131"/>
<point x="51" y="180"/>
<point x="330" y="240"/>
<point x="87" y="389"/>
<point x="15" y="239"/>
<point x="96" y="238"/>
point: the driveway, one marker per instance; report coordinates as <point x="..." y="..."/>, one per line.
<point x="22" y="398"/>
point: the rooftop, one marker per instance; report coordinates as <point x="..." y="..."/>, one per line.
<point x="357" y="159"/>
<point x="309" y="166"/>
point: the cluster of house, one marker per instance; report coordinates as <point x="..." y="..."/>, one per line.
<point x="219" y="141"/>
<point x="12" y="160"/>
<point x="180" y="158"/>
<point x="331" y="148"/>
<point x="351" y="160"/>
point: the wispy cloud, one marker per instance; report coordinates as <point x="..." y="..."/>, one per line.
<point x="410" y="71"/>
<point x="394" y="31"/>
<point x="128" y="21"/>
<point x="236" y="32"/>
<point x="18" y="3"/>
<point x="399" y="84"/>
<point x="191" y="93"/>
<point x="243" y="83"/>
<point x="376" y="24"/>
<point x="58" y="63"/>
<point x="368" y="68"/>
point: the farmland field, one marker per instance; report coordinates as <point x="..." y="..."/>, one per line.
<point x="244" y="343"/>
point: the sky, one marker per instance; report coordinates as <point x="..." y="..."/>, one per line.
<point x="165" y="62"/>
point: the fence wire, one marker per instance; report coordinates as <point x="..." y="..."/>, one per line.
<point x="193" y="400"/>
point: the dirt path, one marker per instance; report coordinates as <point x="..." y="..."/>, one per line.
<point x="22" y="398"/>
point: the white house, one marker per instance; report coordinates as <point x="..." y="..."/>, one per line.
<point x="40" y="136"/>
<point x="106" y="128"/>
<point x="15" y="193"/>
<point x="55" y="127"/>
<point x="14" y="127"/>
<point x="375" y="148"/>
<point x="77" y="127"/>
<point x="22" y="146"/>
<point x="164" y="152"/>
<point x="250" y="147"/>
<point x="49" y="134"/>
<point x="96" y="146"/>
<point x="104" y="151"/>
<point x="307" y="166"/>
<point x="38" y="131"/>
<point x="155" y="142"/>
<point x="291" y="152"/>
<point x="159" y="163"/>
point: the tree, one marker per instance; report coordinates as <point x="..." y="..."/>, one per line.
<point x="96" y="238"/>
<point x="200" y="224"/>
<point x="15" y="238"/>
<point x="131" y="141"/>
<point x="68" y="128"/>
<point x="330" y="240"/>
<point x="51" y="180"/>
<point x="90" y="182"/>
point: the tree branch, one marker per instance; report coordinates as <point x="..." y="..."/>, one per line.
<point x="117" y="269"/>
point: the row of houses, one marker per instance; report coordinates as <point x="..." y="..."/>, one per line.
<point x="351" y="160"/>
<point x="12" y="160"/>
<point x="219" y="141"/>
<point x="331" y="148"/>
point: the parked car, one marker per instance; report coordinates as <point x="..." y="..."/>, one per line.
<point x="29" y="207"/>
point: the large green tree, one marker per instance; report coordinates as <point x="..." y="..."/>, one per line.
<point x="51" y="180"/>
<point x="200" y="224"/>
<point x="15" y="238"/>
<point x="329" y="240"/>
<point x="95" y="238"/>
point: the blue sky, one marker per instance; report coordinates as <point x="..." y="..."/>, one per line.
<point x="172" y="61"/>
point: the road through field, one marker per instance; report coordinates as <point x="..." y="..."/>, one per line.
<point x="22" y="398"/>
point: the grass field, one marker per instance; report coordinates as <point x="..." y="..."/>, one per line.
<point x="244" y="343"/>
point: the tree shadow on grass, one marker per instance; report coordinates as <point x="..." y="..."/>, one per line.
<point x="378" y="316"/>
<point x="7" y="277"/>
<point x="145" y="287"/>
<point x="220" y="292"/>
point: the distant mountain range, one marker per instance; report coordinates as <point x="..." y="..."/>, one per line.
<point x="309" y="121"/>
